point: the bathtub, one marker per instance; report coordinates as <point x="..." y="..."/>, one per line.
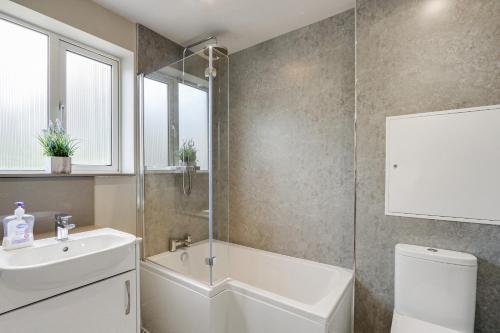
<point x="254" y="291"/>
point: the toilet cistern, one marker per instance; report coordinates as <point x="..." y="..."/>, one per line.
<point x="434" y="290"/>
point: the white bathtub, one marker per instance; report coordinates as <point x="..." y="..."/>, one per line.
<point x="253" y="292"/>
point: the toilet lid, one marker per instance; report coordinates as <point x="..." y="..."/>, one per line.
<point x="405" y="324"/>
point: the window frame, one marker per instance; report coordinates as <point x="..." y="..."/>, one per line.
<point x="56" y="94"/>
<point x="171" y="118"/>
<point x="65" y="46"/>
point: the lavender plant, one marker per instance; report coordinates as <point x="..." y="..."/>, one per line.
<point x="187" y="152"/>
<point x="56" y="142"/>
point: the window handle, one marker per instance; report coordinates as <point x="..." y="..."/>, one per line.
<point x="61" y="111"/>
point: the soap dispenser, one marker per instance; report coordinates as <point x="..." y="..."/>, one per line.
<point x="18" y="229"/>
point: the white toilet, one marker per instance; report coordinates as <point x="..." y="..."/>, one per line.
<point x="434" y="292"/>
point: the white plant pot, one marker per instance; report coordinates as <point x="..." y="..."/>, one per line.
<point x="190" y="163"/>
<point x="60" y="165"/>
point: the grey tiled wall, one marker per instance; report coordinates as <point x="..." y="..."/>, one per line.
<point x="291" y="143"/>
<point x="45" y="197"/>
<point x="170" y="214"/>
<point x="154" y="51"/>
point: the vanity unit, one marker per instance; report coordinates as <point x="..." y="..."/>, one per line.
<point x="85" y="284"/>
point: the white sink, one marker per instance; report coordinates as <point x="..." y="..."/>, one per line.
<point x="50" y="267"/>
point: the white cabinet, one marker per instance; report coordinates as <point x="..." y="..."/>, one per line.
<point x="109" y="306"/>
<point x="445" y="165"/>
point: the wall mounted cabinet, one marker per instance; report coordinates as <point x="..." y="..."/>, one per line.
<point x="444" y="165"/>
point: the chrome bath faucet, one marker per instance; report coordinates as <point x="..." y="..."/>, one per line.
<point x="178" y="243"/>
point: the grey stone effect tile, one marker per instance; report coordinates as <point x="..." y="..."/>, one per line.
<point x="291" y="143"/>
<point x="168" y="213"/>
<point x="154" y="51"/>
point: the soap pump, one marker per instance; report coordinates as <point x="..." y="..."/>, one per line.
<point x="18" y="229"/>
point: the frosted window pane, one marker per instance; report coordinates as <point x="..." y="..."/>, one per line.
<point x="89" y="109"/>
<point x="23" y="96"/>
<point x="193" y="121"/>
<point x="155" y="124"/>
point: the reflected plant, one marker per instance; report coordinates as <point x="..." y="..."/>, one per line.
<point x="187" y="152"/>
<point x="56" y="142"/>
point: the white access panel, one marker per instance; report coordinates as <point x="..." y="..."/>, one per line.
<point x="444" y="165"/>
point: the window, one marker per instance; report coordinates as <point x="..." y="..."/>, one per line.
<point x="45" y="76"/>
<point x="193" y="121"/>
<point x="23" y="96"/>
<point x="156" y="124"/>
<point x="174" y="113"/>
<point x="90" y="111"/>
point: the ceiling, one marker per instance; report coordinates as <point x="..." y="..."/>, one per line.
<point x="237" y="24"/>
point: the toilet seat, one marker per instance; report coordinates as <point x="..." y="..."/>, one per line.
<point x="405" y="324"/>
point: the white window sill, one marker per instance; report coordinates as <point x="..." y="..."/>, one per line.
<point x="35" y="174"/>
<point x="172" y="170"/>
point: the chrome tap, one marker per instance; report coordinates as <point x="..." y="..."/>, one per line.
<point x="177" y="243"/>
<point x="62" y="226"/>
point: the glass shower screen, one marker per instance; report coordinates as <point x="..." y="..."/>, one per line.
<point x="184" y="163"/>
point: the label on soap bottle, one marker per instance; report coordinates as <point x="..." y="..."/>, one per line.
<point x="21" y="232"/>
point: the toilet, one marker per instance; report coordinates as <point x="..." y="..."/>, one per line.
<point x="434" y="290"/>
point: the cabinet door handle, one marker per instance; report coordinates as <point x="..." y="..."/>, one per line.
<point x="127" y="289"/>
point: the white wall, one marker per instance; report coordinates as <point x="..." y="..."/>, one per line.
<point x="115" y="203"/>
<point x="87" y="16"/>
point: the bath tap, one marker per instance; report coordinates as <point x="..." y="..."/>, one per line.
<point x="62" y="226"/>
<point x="177" y="243"/>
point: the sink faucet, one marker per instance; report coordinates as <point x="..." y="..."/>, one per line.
<point x="62" y="226"/>
<point x="177" y="243"/>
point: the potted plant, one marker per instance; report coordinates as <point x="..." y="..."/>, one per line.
<point x="187" y="153"/>
<point x="59" y="147"/>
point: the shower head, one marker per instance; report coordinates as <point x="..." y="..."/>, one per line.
<point x="211" y="37"/>
<point x="220" y="49"/>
